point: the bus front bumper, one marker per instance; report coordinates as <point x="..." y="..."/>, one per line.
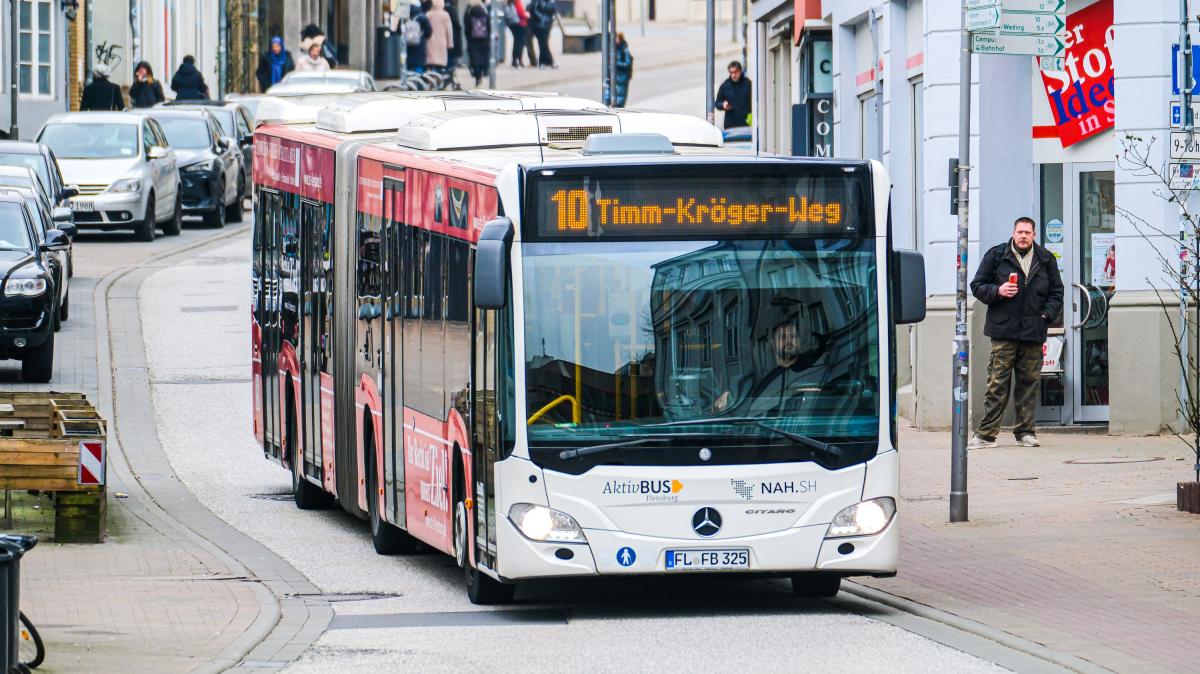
<point x="795" y="550"/>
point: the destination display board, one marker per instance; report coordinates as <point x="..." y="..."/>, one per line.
<point x="612" y="207"/>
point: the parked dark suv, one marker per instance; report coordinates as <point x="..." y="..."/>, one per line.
<point x="28" y="298"/>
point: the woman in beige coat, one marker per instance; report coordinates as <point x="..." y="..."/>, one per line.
<point x="437" y="48"/>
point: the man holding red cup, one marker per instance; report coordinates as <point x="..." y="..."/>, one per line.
<point x="1019" y="282"/>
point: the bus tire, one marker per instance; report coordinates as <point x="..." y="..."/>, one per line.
<point x="484" y="590"/>
<point x="816" y="585"/>
<point x="307" y="495"/>
<point x="388" y="539"/>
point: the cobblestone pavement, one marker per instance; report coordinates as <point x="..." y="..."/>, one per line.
<point x="1076" y="545"/>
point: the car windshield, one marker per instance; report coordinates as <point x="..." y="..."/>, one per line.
<point x="75" y="140"/>
<point x="187" y="133"/>
<point x="37" y="162"/>
<point x="14" y="235"/>
<point x="621" y="336"/>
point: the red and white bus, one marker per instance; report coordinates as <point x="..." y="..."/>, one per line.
<point x="570" y="342"/>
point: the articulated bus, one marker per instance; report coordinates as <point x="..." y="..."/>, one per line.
<point x="579" y="342"/>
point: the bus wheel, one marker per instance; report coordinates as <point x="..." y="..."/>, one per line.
<point x="307" y="495"/>
<point x="484" y="590"/>
<point x="816" y="585"/>
<point x="388" y="539"/>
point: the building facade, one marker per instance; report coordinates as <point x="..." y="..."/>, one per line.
<point x="880" y="79"/>
<point x="42" y="49"/>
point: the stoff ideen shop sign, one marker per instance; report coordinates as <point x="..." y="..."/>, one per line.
<point x="1081" y="95"/>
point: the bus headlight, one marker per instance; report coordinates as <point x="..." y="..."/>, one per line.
<point x="540" y="523"/>
<point x="863" y="519"/>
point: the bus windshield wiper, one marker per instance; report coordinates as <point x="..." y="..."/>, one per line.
<point x="830" y="450"/>
<point x="598" y="449"/>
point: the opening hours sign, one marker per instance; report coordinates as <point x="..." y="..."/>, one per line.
<point x="1081" y="96"/>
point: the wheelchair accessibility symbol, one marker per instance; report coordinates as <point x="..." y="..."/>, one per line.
<point x="626" y="556"/>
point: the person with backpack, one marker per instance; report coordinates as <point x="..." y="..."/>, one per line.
<point x="541" y="21"/>
<point x="517" y="20"/>
<point x="188" y="83"/>
<point x="478" y="28"/>
<point x="417" y="31"/>
<point x="437" y="47"/>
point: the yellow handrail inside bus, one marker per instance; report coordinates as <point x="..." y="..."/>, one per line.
<point x="576" y="413"/>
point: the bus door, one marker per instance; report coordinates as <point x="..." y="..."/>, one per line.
<point x="393" y="350"/>
<point x="270" y="208"/>
<point x="315" y="334"/>
<point x="489" y="391"/>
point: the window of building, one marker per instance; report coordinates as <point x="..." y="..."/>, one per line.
<point x="35" y="48"/>
<point x="871" y="108"/>
<point x="918" y="181"/>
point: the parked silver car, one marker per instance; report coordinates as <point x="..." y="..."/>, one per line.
<point x="124" y="168"/>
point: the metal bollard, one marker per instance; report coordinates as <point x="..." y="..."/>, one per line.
<point x="12" y="548"/>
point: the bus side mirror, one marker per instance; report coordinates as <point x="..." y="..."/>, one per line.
<point x="908" y="282"/>
<point x="491" y="264"/>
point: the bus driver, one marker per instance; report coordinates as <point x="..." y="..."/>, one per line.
<point x="771" y="393"/>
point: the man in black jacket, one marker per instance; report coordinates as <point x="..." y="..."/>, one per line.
<point x="734" y="97"/>
<point x="1019" y="282"/>
<point x="188" y="84"/>
<point x="101" y="94"/>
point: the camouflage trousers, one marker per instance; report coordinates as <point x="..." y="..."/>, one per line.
<point x="1009" y="357"/>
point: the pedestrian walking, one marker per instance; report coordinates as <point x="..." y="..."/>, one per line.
<point x="274" y="64"/>
<point x="734" y="97"/>
<point x="101" y="94"/>
<point x="416" y="33"/>
<point x="478" y="26"/>
<point x="517" y="20"/>
<point x="541" y="20"/>
<point x="313" y="33"/>
<point x="188" y="83"/>
<point x="145" y="91"/>
<point x="1019" y="282"/>
<point x="624" y="71"/>
<point x="313" y="62"/>
<point x="456" y="27"/>
<point x="437" y="47"/>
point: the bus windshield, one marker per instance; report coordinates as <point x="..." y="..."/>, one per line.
<point x="626" y="339"/>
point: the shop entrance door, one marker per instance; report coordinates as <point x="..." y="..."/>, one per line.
<point x="1079" y="220"/>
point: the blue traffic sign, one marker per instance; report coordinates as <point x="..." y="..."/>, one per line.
<point x="626" y="556"/>
<point x="1175" y="69"/>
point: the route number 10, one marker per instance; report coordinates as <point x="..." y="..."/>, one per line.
<point x="572" y="209"/>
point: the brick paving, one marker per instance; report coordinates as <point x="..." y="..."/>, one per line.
<point x="1050" y="554"/>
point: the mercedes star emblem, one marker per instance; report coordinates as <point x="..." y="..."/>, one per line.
<point x="706" y="522"/>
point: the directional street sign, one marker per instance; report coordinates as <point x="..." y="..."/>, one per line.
<point x="1051" y="6"/>
<point x="1033" y="45"/>
<point x="984" y="18"/>
<point x="1023" y="23"/>
<point x="1184" y="176"/>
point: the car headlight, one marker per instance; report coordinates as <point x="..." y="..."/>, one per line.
<point x="24" y="287"/>
<point x="864" y="518"/>
<point x="206" y="165"/>
<point x="126" y="185"/>
<point x="540" y="523"/>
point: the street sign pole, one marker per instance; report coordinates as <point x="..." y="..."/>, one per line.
<point x="962" y="340"/>
<point x="710" y="68"/>
<point x="1185" y="91"/>
<point x="12" y="74"/>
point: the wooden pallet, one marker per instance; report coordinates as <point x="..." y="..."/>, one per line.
<point x="39" y="449"/>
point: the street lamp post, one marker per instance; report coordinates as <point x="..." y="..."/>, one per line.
<point x="962" y="340"/>
<point x="710" y="39"/>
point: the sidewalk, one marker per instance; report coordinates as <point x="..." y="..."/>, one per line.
<point x="1075" y="545"/>
<point x="664" y="45"/>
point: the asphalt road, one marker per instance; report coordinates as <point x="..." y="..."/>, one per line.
<point x="412" y="612"/>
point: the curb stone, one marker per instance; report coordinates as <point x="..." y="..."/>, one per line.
<point x="286" y="623"/>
